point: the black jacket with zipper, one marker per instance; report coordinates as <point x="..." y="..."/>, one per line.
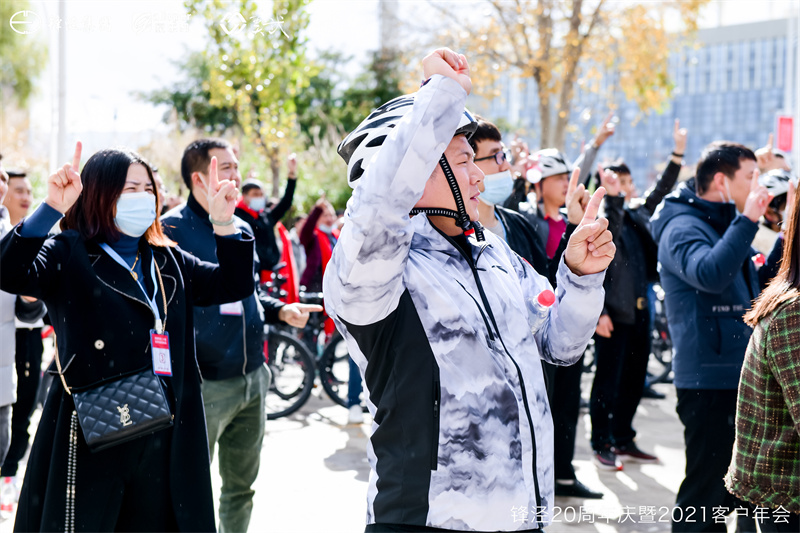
<point x="634" y="265"/>
<point x="227" y="345"/>
<point x="102" y="323"/>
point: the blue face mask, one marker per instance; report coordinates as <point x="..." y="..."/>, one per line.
<point x="257" y="204"/>
<point x="499" y="187"/>
<point x="136" y="211"/>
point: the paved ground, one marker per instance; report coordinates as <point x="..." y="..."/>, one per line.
<point x="314" y="475"/>
<point x="326" y="489"/>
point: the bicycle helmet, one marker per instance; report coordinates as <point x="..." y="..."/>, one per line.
<point x="777" y="181"/>
<point x="546" y="163"/>
<point x="361" y="146"/>
<point x="363" y="143"/>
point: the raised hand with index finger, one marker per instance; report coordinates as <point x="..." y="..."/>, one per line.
<point x="765" y="156"/>
<point x="222" y="196"/>
<point x="757" y="201"/>
<point x="606" y="130"/>
<point x="590" y="248"/>
<point x="577" y="198"/>
<point x="65" y="186"/>
<point x="610" y="181"/>
<point x="679" y="136"/>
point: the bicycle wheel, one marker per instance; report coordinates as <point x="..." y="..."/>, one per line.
<point x="334" y="369"/>
<point x="292" y="370"/>
<point x="660" y="365"/>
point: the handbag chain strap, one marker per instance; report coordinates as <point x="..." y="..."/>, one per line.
<point x="55" y="338"/>
<point x="58" y="365"/>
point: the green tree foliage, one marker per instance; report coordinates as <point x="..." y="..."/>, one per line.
<point x="333" y="105"/>
<point x="257" y="67"/>
<point x="23" y="56"/>
<point x="332" y="101"/>
<point x="218" y="94"/>
<point x="189" y="102"/>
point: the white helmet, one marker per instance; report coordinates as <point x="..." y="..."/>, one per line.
<point x="359" y="148"/>
<point x="547" y="162"/>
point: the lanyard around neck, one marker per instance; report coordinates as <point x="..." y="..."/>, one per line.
<point x="150" y="300"/>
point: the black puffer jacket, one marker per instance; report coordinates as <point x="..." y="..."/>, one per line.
<point x="635" y="264"/>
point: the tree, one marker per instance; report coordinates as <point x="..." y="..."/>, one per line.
<point x="24" y="56"/>
<point x="561" y="43"/>
<point x="189" y="101"/>
<point x="256" y="68"/>
<point x="333" y="102"/>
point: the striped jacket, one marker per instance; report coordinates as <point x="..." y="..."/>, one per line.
<point x="462" y="434"/>
<point x="765" y="467"/>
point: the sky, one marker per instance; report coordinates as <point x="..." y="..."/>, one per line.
<point x="117" y="48"/>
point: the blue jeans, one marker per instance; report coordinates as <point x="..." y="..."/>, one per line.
<point x="354" y="385"/>
<point x="235" y="419"/>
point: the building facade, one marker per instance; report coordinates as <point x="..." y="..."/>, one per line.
<point x="731" y="84"/>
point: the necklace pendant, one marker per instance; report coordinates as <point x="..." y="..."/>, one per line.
<point x="135" y="276"/>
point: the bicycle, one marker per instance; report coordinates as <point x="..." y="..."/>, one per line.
<point x="295" y="359"/>
<point x="661" y="343"/>
<point x="334" y="369"/>
<point x="292" y="369"/>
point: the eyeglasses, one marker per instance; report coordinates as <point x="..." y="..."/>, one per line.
<point x="499" y="157"/>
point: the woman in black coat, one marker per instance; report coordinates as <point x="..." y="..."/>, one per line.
<point x="102" y="319"/>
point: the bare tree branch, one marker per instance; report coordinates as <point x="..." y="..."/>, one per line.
<point x="498" y="6"/>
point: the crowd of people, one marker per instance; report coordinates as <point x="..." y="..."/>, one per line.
<point x="466" y="280"/>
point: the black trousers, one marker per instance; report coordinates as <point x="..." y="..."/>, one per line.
<point x="708" y="418"/>
<point x="28" y="358"/>
<point x="564" y="394"/>
<point x="619" y="381"/>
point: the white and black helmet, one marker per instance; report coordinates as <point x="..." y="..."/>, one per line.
<point x="359" y="148"/>
<point x="777" y="181"/>
<point x="547" y="162"/>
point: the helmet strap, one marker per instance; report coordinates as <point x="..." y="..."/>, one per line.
<point x="460" y="215"/>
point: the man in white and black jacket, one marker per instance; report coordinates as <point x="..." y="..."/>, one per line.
<point x="441" y="321"/>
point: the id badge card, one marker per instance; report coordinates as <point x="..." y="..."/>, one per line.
<point x="159" y="346"/>
<point x="232" y="309"/>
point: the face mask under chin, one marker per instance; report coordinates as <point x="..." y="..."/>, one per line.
<point x="729" y="199"/>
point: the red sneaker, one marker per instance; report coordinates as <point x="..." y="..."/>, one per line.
<point x="631" y="452"/>
<point x="606" y="459"/>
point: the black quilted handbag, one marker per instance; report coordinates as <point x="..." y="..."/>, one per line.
<point x="121" y="410"/>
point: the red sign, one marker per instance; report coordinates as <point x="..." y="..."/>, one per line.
<point x="785" y="131"/>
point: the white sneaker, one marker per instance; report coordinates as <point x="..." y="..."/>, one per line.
<point x="9" y="496"/>
<point x="356" y="415"/>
